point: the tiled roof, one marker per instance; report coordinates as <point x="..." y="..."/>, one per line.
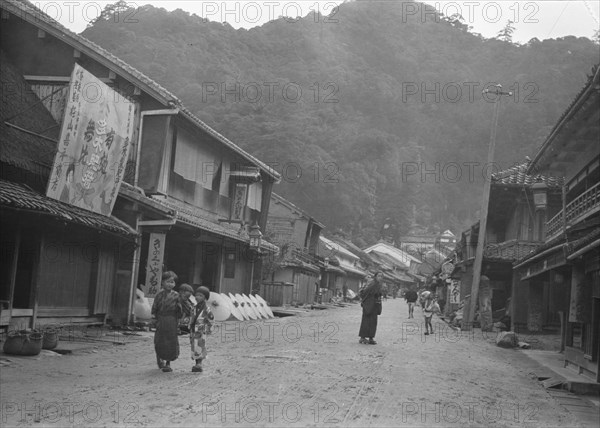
<point x="23" y="144"/>
<point x="352" y="269"/>
<point x="191" y="216"/>
<point x="585" y="92"/>
<point x="35" y="16"/>
<point x="20" y="197"/>
<point x="299" y="264"/>
<point x="333" y="249"/>
<point x="517" y="176"/>
<point x="582" y="242"/>
<point x="292" y="206"/>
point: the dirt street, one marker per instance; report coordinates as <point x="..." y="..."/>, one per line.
<point x="305" y="370"/>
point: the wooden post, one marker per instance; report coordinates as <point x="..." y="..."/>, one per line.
<point x="13" y="271"/>
<point x="37" y="278"/>
<point x="470" y="308"/>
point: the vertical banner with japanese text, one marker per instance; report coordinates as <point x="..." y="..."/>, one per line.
<point x="239" y="201"/>
<point x="94" y="145"/>
<point x="156" y="252"/>
<point x="454" y="291"/>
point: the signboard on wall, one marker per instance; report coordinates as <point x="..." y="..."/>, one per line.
<point x="454" y="291"/>
<point x="156" y="252"/>
<point x="94" y="145"/>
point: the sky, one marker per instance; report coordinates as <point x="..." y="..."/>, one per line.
<point x="542" y="19"/>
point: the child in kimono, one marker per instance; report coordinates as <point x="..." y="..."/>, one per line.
<point x="200" y="325"/>
<point x="186" y="291"/>
<point x="167" y="310"/>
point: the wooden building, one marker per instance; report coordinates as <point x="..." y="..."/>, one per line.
<point x="298" y="266"/>
<point x="355" y="276"/>
<point x="565" y="269"/>
<point x="515" y="228"/>
<point x="188" y="193"/>
<point x="58" y="260"/>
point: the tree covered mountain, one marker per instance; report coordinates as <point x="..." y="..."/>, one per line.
<point x="370" y="113"/>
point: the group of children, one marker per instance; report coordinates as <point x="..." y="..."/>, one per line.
<point x="172" y="309"/>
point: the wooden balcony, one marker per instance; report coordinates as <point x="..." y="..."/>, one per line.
<point x="581" y="207"/>
<point x="510" y="250"/>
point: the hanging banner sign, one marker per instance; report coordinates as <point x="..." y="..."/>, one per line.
<point x="156" y="253"/>
<point x="94" y="145"/>
<point x="454" y="291"/>
<point x="239" y="201"/>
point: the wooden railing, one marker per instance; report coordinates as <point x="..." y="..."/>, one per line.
<point x="510" y="250"/>
<point x="586" y="203"/>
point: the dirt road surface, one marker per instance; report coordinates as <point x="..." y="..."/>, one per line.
<point x="304" y="370"/>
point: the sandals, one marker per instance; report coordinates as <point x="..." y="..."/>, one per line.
<point x="363" y="341"/>
<point x="161" y="363"/>
<point x="372" y="342"/>
<point x="167" y="369"/>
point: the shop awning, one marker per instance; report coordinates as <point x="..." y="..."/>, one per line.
<point x="353" y="270"/>
<point x="192" y="216"/>
<point x="299" y="264"/>
<point x="18" y="197"/>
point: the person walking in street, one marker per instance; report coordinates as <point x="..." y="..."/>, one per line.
<point x="167" y="310"/>
<point x="411" y="297"/>
<point x="429" y="308"/>
<point x="200" y="325"/>
<point x="371" y="309"/>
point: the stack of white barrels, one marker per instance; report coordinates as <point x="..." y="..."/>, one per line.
<point x="238" y="307"/>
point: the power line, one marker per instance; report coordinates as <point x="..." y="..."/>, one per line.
<point x="557" y="19"/>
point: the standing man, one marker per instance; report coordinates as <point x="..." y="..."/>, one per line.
<point x="371" y="309"/>
<point x="411" y="297"/>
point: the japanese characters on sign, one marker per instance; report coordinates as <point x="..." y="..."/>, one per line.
<point x="239" y="201"/>
<point x="94" y="145"/>
<point x="454" y="291"/>
<point x="156" y="252"/>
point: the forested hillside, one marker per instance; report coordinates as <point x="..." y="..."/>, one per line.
<point x="380" y="112"/>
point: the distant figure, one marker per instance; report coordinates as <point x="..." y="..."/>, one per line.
<point x="429" y="309"/>
<point x="167" y="310"/>
<point x="371" y="304"/>
<point x="411" y="297"/>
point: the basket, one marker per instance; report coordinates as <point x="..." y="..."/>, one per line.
<point x="50" y="340"/>
<point x="23" y="342"/>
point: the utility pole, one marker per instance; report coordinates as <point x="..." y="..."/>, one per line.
<point x="470" y="308"/>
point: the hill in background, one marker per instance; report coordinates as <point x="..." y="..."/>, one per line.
<point x="377" y="115"/>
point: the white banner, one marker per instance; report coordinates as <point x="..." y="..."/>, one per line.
<point x="94" y="145"/>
